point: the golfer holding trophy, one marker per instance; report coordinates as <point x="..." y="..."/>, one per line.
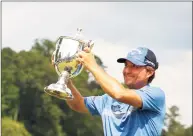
<point x="65" y="63"/>
<point x="135" y="110"/>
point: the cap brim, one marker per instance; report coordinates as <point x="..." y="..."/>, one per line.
<point x="132" y="60"/>
<point x="121" y="60"/>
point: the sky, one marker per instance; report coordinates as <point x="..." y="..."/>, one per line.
<point x="116" y="28"/>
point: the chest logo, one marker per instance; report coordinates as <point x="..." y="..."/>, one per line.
<point x="116" y="108"/>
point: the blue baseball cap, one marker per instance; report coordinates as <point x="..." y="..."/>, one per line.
<point x="141" y="56"/>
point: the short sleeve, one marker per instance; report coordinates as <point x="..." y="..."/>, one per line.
<point x="152" y="98"/>
<point x="95" y="104"/>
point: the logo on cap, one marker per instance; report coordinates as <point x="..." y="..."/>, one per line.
<point x="135" y="52"/>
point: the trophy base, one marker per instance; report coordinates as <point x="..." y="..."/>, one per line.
<point x="59" y="91"/>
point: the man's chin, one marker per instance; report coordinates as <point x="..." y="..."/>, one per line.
<point x="130" y="86"/>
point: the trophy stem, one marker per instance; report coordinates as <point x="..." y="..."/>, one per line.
<point x="63" y="79"/>
<point x="60" y="89"/>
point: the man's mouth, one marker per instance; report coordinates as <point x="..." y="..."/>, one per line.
<point x="128" y="76"/>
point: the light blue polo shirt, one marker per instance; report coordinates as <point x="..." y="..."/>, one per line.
<point x="120" y="119"/>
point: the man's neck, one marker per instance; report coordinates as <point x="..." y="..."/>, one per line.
<point x="138" y="85"/>
<point x="141" y="85"/>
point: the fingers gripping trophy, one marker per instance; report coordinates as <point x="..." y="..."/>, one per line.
<point x="65" y="63"/>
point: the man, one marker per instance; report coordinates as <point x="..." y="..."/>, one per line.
<point x="138" y="110"/>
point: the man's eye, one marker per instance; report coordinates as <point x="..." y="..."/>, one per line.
<point x="135" y="66"/>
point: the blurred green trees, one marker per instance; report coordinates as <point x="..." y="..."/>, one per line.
<point x="24" y="76"/>
<point x="173" y="126"/>
<point x="13" y="128"/>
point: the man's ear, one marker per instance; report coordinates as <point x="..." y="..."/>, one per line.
<point x="150" y="71"/>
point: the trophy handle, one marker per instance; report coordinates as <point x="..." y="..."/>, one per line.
<point x="52" y="58"/>
<point x="79" y="37"/>
<point x="90" y="44"/>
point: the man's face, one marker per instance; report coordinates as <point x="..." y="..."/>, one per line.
<point x="135" y="76"/>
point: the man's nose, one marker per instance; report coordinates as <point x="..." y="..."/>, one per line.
<point x="126" y="70"/>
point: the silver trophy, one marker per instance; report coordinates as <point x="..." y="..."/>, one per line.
<point x="66" y="66"/>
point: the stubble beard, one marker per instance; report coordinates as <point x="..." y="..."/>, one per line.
<point x="131" y="86"/>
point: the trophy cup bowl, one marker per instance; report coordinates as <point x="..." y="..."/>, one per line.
<point x="66" y="66"/>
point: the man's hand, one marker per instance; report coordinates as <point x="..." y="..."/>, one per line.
<point x="86" y="58"/>
<point x="69" y="84"/>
